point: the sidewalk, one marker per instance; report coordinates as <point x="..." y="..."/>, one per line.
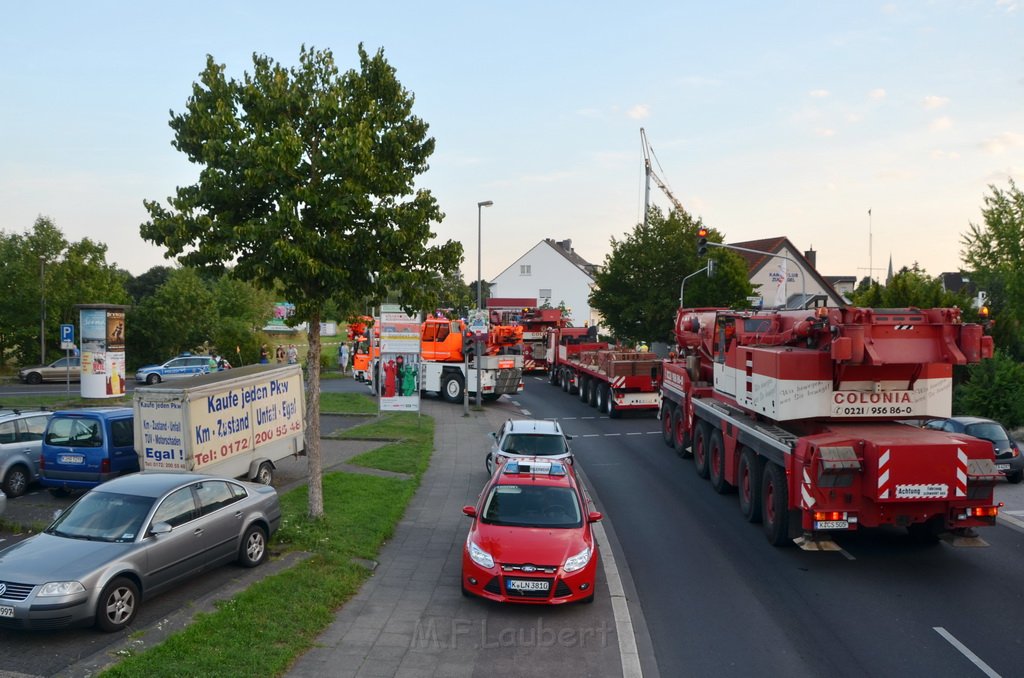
<point x="410" y="620"/>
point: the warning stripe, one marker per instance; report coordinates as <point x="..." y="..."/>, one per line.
<point x="883" y="475"/>
<point x="961" y="473"/>
<point x="805" y="491"/>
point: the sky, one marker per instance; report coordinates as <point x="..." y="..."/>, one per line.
<point x="861" y="130"/>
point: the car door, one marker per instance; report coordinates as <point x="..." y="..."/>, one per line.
<point x="223" y="517"/>
<point x="30" y="439"/>
<point x="174" y="555"/>
<point x="176" y="369"/>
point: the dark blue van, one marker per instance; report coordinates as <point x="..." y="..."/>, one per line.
<point x="83" y="448"/>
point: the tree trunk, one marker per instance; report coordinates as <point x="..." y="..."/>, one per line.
<point x="315" y="462"/>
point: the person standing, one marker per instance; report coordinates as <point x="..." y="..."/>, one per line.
<point x="279" y="353"/>
<point x="264" y="355"/>
<point x="343" y="357"/>
<point x="293" y="355"/>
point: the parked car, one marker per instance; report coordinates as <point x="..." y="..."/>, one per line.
<point x="1009" y="460"/>
<point x="86" y="447"/>
<point x="129" y="540"/>
<point x="21" y="440"/>
<point x="184" y="366"/>
<point x="65" y="369"/>
<point x="531" y="539"/>
<point x="528" y="438"/>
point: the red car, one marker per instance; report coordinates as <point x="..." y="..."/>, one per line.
<point x="531" y="539"/>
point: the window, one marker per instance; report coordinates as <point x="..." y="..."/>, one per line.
<point x="6" y="433"/>
<point x="122" y="433"/>
<point x="544" y="294"/>
<point x="214" y="495"/>
<point x="32" y="428"/>
<point x="524" y="269"/>
<point x="74" y="432"/>
<point x="178" y="508"/>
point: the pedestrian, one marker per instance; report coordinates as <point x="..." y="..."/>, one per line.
<point x="343" y="357"/>
<point x="264" y="356"/>
<point x="279" y="353"/>
<point x="293" y="355"/>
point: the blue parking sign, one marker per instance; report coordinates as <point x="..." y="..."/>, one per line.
<point x="67" y="334"/>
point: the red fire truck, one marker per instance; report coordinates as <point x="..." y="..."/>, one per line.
<point x="806" y="414"/>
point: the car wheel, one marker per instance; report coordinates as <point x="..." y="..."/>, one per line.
<point x="716" y="462"/>
<point x="453" y="388"/>
<point x="265" y="474"/>
<point x="153" y="379"/>
<point x="666" y="424"/>
<point x="60" y="492"/>
<point x="489" y="463"/>
<point x="117" y="605"/>
<point x="253" y="550"/>
<point x="748" y="477"/>
<point x="775" y="505"/>
<point x="1015" y="477"/>
<point x="16" y="481"/>
<point x="700" y="449"/>
<point x="34" y="378"/>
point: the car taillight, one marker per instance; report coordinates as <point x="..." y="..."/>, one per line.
<point x="105" y="466"/>
<point x="42" y="462"/>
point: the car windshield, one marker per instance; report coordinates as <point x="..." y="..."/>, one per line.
<point x="532" y="506"/>
<point x="988" y="431"/>
<point x="534" y="444"/>
<point x="103" y="516"/>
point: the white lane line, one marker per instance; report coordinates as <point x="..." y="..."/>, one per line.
<point x="636" y="433"/>
<point x="973" y="658"/>
<point x="1017" y="522"/>
<point x="847" y="554"/>
<point x="628" y="652"/>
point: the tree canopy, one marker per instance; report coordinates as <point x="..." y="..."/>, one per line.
<point x="637" y="289"/>
<point x="307" y="185"/>
<point x="911" y="287"/>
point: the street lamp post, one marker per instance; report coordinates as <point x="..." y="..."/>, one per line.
<point x="479" y="290"/>
<point x="42" y="310"/>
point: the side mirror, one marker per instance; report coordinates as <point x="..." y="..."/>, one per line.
<point x="493" y="434"/>
<point x="160" y="528"/>
<point x="568" y="437"/>
<point x="469" y="511"/>
<point x="594" y="516"/>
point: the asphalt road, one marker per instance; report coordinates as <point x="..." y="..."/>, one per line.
<point x="719" y="600"/>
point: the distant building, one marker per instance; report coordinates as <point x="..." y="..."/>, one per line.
<point x="783" y="277"/>
<point x="554" y="274"/>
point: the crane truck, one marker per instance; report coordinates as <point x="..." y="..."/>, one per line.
<point x="611" y="379"/>
<point x="806" y="413"/>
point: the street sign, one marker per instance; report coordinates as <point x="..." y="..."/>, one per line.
<point x="67" y="337"/>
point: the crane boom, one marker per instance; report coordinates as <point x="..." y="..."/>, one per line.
<point x="650" y="174"/>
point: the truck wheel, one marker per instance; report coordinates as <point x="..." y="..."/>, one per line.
<point x="565" y="380"/>
<point x="453" y="388"/>
<point x="253" y="549"/>
<point x="553" y="376"/>
<point x="117" y="605"/>
<point x="716" y="462"/>
<point x="16" y="481"/>
<point x="775" y="505"/>
<point x="581" y="391"/>
<point x="666" y="424"/>
<point x="592" y="394"/>
<point x="748" y="478"/>
<point x="600" y="395"/>
<point x="265" y="474"/>
<point x="680" y="436"/>
<point x="700" y="449"/>
<point x="613" y="411"/>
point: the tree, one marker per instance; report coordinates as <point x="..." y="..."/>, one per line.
<point x="993" y="252"/>
<point x="637" y="288"/>
<point x="157" y="327"/>
<point x="912" y="287"/>
<point x="1001" y="375"/>
<point x="308" y="184"/>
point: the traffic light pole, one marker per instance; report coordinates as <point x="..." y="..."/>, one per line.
<point x="709" y="268"/>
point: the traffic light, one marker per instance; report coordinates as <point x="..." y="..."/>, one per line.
<point x="468" y="345"/>
<point x="702" y="242"/>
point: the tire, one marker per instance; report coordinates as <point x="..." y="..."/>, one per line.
<point x="489" y="463"/>
<point x="553" y="376"/>
<point x="581" y="390"/>
<point x="253" y="549"/>
<point x="60" y="492"/>
<point x="700" y="449"/>
<point x="592" y="394"/>
<point x="748" y="480"/>
<point x="453" y="388"/>
<point x="16" y="481"/>
<point x="490" y="397"/>
<point x="1015" y="477"/>
<point x="716" y="463"/>
<point x="613" y="411"/>
<point x="775" y="505"/>
<point x="681" y="438"/>
<point x="152" y="379"/>
<point x="265" y="474"/>
<point x="34" y="378"/>
<point x="666" y="424"/>
<point x="600" y="396"/>
<point x="565" y="380"/>
<point x="118" y="605"/>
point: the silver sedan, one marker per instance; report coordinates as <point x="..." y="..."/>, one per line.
<point x="129" y="539"/>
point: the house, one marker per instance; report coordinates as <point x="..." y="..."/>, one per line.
<point x="783" y="277"/>
<point x="555" y="275"/>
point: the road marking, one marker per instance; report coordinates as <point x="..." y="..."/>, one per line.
<point x="847" y="554"/>
<point x="628" y="652"/>
<point x="1010" y="519"/>
<point x="636" y="433"/>
<point x="973" y="658"/>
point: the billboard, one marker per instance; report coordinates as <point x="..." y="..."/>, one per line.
<point x="103" y="360"/>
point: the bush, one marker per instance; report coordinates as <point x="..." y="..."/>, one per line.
<point x="994" y="389"/>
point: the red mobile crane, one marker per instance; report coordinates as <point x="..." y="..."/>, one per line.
<point x="801" y="412"/>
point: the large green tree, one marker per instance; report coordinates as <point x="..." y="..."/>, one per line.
<point x="912" y="287"/>
<point x="637" y="289"/>
<point x="993" y="252"/>
<point x="307" y="184"/>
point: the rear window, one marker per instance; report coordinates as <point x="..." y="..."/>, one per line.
<point x="534" y="445"/>
<point x="988" y="431"/>
<point x="74" y="432"/>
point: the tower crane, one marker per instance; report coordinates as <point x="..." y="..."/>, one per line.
<point x="649" y="171"/>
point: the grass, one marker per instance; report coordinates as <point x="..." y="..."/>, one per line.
<point x="347" y="403"/>
<point x="263" y="630"/>
<point x="62" y="401"/>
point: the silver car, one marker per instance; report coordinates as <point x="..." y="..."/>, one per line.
<point x="528" y="438"/>
<point x="129" y="539"/>
<point x="21" y="439"/>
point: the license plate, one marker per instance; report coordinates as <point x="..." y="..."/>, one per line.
<point x="527" y="585"/>
<point x="1002" y="467"/>
<point x="832" y="525"/>
<point x="6" y="611"/>
<point x="71" y="458"/>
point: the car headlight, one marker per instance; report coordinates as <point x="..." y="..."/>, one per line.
<point x="578" y="561"/>
<point x="60" y="588"/>
<point x="479" y="556"/>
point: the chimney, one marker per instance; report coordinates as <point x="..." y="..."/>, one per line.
<point x="566" y="245"/>
<point x="812" y="258"/>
